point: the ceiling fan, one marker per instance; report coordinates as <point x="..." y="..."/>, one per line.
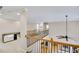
<point x="66" y="36"/>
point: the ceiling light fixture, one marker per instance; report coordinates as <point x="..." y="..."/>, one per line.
<point x="0" y="13"/>
<point x="18" y="14"/>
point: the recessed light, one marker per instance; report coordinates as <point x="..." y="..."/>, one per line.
<point x="18" y="13"/>
<point x="0" y="13"/>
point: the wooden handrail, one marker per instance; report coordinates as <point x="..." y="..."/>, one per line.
<point x="63" y="43"/>
<point x="58" y="46"/>
<point x="69" y="44"/>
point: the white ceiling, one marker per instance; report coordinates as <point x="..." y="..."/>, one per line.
<point x="10" y="12"/>
<point x="42" y="14"/>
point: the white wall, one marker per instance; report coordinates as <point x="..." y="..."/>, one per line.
<point x="59" y="28"/>
<point x="7" y="26"/>
<point x="23" y="29"/>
